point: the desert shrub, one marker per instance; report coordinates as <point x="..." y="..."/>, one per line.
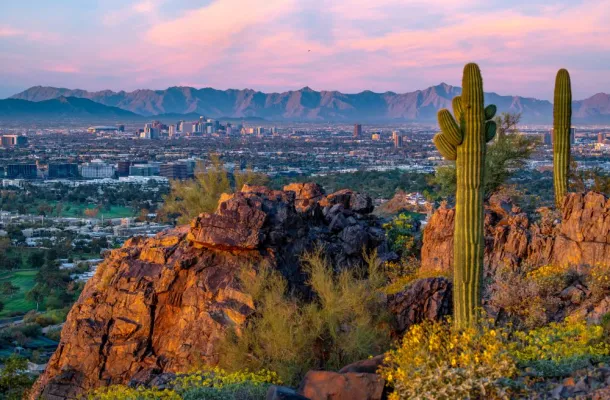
<point x="530" y="297"/>
<point x="551" y="279"/>
<point x="213" y="384"/>
<point x="401" y="233"/>
<point x="598" y="281"/>
<point x="119" y="392"/>
<point x="557" y="349"/>
<point x="435" y="360"/>
<point x="219" y="384"/>
<point x="344" y="321"/>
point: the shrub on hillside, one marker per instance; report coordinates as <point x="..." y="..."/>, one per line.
<point x="345" y="321"/>
<point x="436" y="360"/>
<point x="558" y="349"/>
<point x="214" y="384"/>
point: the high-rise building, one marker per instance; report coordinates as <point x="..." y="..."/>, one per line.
<point x="357" y="130"/>
<point x="63" y="171"/>
<point x="601" y="137"/>
<point x="548" y="138"/>
<point x="172" y="130"/>
<point x="397" y="138"/>
<point x="14" y="140"/>
<point x="174" y="170"/>
<point x="21" y="171"/>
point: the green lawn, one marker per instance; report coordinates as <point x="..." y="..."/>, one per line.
<point x="24" y="279"/>
<point x="77" y="210"/>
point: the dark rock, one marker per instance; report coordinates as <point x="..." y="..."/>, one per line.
<point x="426" y="299"/>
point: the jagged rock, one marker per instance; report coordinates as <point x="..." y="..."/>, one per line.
<point x="160" y="305"/>
<point x="325" y="385"/>
<point x="426" y="299"/>
<point x="581" y="238"/>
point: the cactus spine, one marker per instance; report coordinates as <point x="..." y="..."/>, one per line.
<point x="562" y="124"/>
<point x="465" y="141"/>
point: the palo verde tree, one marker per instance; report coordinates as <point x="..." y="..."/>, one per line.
<point x="464" y="139"/>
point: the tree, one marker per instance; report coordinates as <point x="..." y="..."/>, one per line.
<point x="507" y="124"/>
<point x="8" y="289"/>
<point x="187" y="199"/>
<point x="13" y="380"/>
<point x="505" y="156"/>
<point x="36" y="294"/>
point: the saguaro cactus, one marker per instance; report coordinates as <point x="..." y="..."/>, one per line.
<point x="464" y="139"/>
<point x="562" y="125"/>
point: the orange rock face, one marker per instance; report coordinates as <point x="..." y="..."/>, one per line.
<point x="161" y="304"/>
<point x="582" y="237"/>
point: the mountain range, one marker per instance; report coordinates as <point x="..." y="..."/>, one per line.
<point x="304" y="104"/>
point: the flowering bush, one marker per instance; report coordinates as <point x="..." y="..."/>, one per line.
<point x="404" y="273"/>
<point x="435" y="360"/>
<point x="599" y="280"/>
<point x="558" y="349"/>
<point x="209" y="384"/>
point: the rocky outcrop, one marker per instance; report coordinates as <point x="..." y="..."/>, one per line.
<point x="160" y="305"/>
<point x="582" y="237"/>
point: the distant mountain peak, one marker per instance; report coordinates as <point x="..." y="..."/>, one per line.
<point x="419" y="105"/>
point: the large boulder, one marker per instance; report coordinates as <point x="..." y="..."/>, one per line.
<point x="428" y="299"/>
<point x="160" y="305"/>
<point x="326" y="385"/>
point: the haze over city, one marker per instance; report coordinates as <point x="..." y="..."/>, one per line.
<point x="278" y="45"/>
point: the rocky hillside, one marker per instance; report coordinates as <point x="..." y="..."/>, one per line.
<point x="161" y="304"/>
<point x="308" y="104"/>
<point x="581" y="236"/>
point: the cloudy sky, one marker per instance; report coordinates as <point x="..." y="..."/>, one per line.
<point x="277" y="45"/>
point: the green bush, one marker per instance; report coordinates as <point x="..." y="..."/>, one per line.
<point x="345" y="321"/>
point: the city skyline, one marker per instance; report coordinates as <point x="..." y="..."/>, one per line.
<point x="273" y="45"/>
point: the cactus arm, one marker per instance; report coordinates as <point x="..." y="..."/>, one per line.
<point x="447" y="150"/>
<point x="449" y="127"/>
<point x="490" y="131"/>
<point x="562" y="124"/>
<point x="456" y="103"/>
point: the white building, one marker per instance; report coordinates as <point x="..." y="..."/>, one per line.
<point x="97" y="169"/>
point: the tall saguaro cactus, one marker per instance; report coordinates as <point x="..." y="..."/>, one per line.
<point x="464" y="139"/>
<point x="562" y="125"/>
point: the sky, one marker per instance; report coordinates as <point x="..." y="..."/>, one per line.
<point x="279" y="45"/>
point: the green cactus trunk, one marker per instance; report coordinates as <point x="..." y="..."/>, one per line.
<point x="466" y="143"/>
<point x="562" y="125"/>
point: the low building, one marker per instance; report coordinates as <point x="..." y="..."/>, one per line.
<point x="175" y="170"/>
<point x="63" y="171"/>
<point x="97" y="169"/>
<point x="21" y="171"/>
